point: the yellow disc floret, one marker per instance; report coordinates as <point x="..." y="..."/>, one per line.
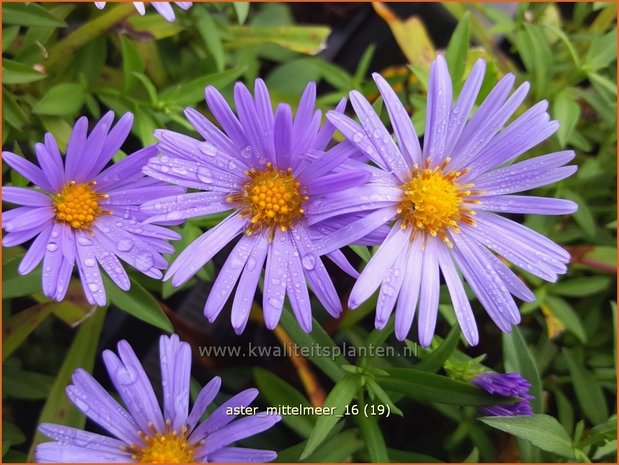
<point x="169" y="447"/>
<point x="78" y="205"/>
<point x="433" y="201"/>
<point x="271" y="198"/>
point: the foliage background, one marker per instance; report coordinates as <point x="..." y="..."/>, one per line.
<point x="64" y="60"/>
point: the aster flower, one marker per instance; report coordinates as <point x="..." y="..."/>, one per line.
<point x="506" y="385"/>
<point x="163" y="8"/>
<point x="143" y="432"/>
<point x="445" y="202"/>
<point x="271" y="171"/>
<point x="80" y="213"/>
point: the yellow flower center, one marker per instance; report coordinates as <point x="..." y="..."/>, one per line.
<point x="78" y="205"/>
<point x="433" y="201"/>
<point x="271" y="198"/>
<point x="170" y="447"/>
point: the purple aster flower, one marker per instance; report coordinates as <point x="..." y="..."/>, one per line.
<point x="445" y="202"/>
<point x="163" y="8"/>
<point x="142" y="432"/>
<point x="506" y="385"/>
<point x="81" y="213"/>
<point x="270" y="169"/>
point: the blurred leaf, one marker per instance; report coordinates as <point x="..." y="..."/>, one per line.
<point x="12" y="113"/>
<point x="303" y="39"/>
<point x="581" y="287"/>
<point x="536" y="55"/>
<point x="588" y="391"/>
<point x="519" y="359"/>
<point x="567" y="111"/>
<point x="566" y="314"/>
<point x="132" y="63"/>
<point x="144" y="125"/>
<point x="11" y="435"/>
<point x="212" y="39"/>
<point x="542" y="431"/>
<point x="154" y="25"/>
<point x="279" y="392"/>
<point x="340" y="396"/>
<point x="62" y="99"/>
<point x="435" y="360"/>
<point x="27" y="385"/>
<point x="22" y="324"/>
<point x="412" y="37"/>
<point x="457" y="50"/>
<point x="566" y="411"/>
<point x="139" y="303"/>
<point x="602" y="51"/>
<point x="60" y="128"/>
<point x="331" y="366"/>
<point x="583" y="215"/>
<point x="242" y="10"/>
<point x="9" y="34"/>
<point x="17" y="285"/>
<point x="429" y="387"/>
<point x="14" y="72"/>
<point x="29" y="14"/>
<point x="191" y="92"/>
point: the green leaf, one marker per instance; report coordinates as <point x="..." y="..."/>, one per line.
<point x="9" y="34"/>
<point x="536" y="55"/>
<point x="12" y="113"/>
<point x="303" y="39"/>
<point x="27" y="385"/>
<point x="29" y="14"/>
<point x="189" y="93"/>
<point x="11" y="435"/>
<point x="212" y="39"/>
<point x="331" y="366"/>
<point x="581" y="287"/>
<point x="588" y="391"/>
<point x="22" y="324"/>
<point x="435" y="360"/>
<point x="14" y="72"/>
<point x="132" y="63"/>
<point x="602" y="51"/>
<point x="519" y="359"/>
<point x="58" y="409"/>
<point x="583" y="215"/>
<point x="429" y="387"/>
<point x="542" y="431"/>
<point x="567" y="111"/>
<point x="279" y="392"/>
<point x="17" y="285"/>
<point x="601" y="434"/>
<point x="566" y="315"/>
<point x="457" y="50"/>
<point x="242" y="10"/>
<point x="62" y="99"/>
<point x="340" y="396"/>
<point x="373" y="436"/>
<point x="139" y="303"/>
<point x="154" y="25"/>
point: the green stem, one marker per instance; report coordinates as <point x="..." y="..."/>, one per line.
<point x="371" y="432"/>
<point x="90" y="31"/>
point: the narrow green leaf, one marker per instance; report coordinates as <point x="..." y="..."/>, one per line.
<point x="566" y="315"/>
<point x="242" y="10"/>
<point x="567" y="111"/>
<point x="588" y="391"/>
<point x="139" y="303"/>
<point x="212" y="39"/>
<point x="429" y="387"/>
<point x="12" y="113"/>
<point x="602" y="51"/>
<point x="58" y="409"/>
<point x="9" y="34"/>
<point x="542" y="431"/>
<point x="601" y="434"/>
<point x="435" y="360"/>
<point x="63" y="99"/>
<point x="340" y="396"/>
<point x="11" y="435"/>
<point x="303" y="39"/>
<point x="581" y="287"/>
<point x="373" y="436"/>
<point x="27" y="385"/>
<point x="331" y="366"/>
<point x="518" y="358"/>
<point x="457" y="50"/>
<point x="279" y="392"/>
<point x="22" y="324"/>
<point x="17" y="285"/>
<point x="29" y="14"/>
<point x="132" y="63"/>
<point x="14" y="72"/>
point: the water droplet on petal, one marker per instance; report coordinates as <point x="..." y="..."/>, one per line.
<point x="52" y="246"/>
<point x="125" y="245"/>
<point x="308" y="261"/>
